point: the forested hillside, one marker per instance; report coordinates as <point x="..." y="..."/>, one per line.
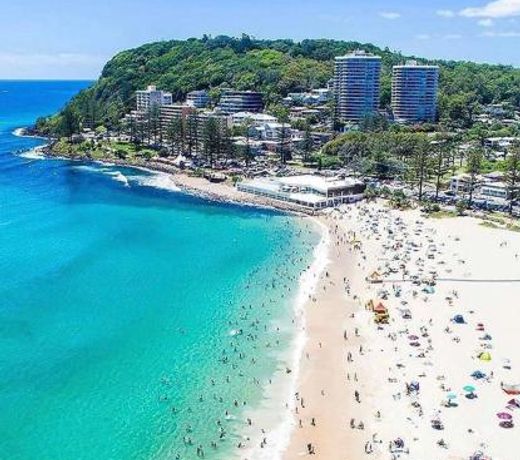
<point x="274" y="67"/>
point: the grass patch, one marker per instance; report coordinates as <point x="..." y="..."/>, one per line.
<point x="442" y="214"/>
<point x="489" y="224"/>
<point x="510" y="226"/>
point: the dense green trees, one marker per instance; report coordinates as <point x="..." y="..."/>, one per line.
<point x="274" y="67"/>
<point x="415" y="158"/>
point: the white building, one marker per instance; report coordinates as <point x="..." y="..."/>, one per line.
<point x="313" y="192"/>
<point x="314" y="97"/>
<point x="272" y="131"/>
<point x="499" y="142"/>
<point x="414" y="92"/>
<point x="461" y="184"/>
<point x="152" y="97"/>
<point x="256" y="118"/>
<point x="357" y="81"/>
<point x="198" y="99"/>
<point x="495" y="190"/>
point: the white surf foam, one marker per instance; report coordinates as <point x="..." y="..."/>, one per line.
<point x="88" y="168"/>
<point x="280" y="435"/>
<point x="33" y="154"/>
<point x="112" y="173"/>
<point x="19" y="132"/>
<point x="119" y="177"/>
<point x="158" y="180"/>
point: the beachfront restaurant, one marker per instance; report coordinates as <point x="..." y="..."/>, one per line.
<point x="312" y="192"/>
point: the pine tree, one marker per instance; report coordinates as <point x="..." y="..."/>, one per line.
<point x="441" y="163"/>
<point x="474" y="166"/>
<point x="308" y="143"/>
<point x="512" y="176"/>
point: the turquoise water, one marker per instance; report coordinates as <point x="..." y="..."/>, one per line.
<point x="121" y="302"/>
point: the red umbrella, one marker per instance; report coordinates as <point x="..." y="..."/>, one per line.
<point x="504" y="416"/>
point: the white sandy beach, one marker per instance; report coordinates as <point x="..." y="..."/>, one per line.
<point x="442" y="358"/>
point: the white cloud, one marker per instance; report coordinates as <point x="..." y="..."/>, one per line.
<point x="389" y="15"/>
<point x="494" y="9"/>
<point x="486" y="22"/>
<point x="510" y="34"/>
<point x="446" y="13"/>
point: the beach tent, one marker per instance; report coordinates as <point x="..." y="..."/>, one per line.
<point x="484" y="356"/>
<point x="375" y="277"/>
<point x="381" y="315"/>
<point x="459" y="319"/>
<point x="511" y="389"/>
<point x="513" y="404"/>
<point x="380" y="308"/>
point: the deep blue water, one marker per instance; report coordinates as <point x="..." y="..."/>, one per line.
<point x="119" y="300"/>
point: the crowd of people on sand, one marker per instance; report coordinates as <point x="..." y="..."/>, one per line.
<point x="402" y="261"/>
<point x="253" y="335"/>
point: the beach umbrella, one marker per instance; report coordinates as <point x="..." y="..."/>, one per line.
<point x="413" y="337"/>
<point x="485" y="356"/>
<point x="451" y="396"/>
<point x="469" y="388"/>
<point x="504" y="416"/>
<point x="478" y="375"/>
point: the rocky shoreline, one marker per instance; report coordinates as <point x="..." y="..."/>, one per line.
<point x="191" y="184"/>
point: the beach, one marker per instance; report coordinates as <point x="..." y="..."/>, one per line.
<point x="427" y="384"/>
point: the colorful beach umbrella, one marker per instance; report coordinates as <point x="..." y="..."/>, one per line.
<point x="485" y="356"/>
<point x="469" y="388"/>
<point x="451" y="396"/>
<point x="504" y="416"/>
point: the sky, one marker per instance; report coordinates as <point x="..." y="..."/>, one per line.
<point x="72" y="39"/>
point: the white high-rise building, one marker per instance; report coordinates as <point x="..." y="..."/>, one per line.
<point x="414" y="92"/>
<point x="150" y="97"/>
<point x="357" y="81"/>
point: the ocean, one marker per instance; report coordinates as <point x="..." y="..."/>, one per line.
<point x="136" y="322"/>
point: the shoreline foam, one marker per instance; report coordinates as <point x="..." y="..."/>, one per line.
<point x="279" y="435"/>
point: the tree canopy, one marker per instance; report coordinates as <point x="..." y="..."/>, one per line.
<point x="274" y="67"/>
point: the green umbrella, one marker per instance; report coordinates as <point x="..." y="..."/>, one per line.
<point x="452" y="396"/>
<point x="469" y="388"/>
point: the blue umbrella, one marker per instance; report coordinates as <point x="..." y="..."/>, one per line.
<point x="478" y="375"/>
